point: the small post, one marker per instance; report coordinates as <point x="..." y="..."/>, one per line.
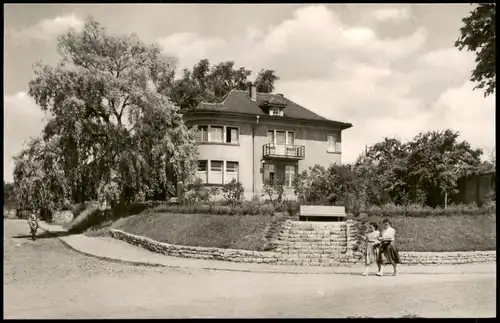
<point x="180" y="191"/>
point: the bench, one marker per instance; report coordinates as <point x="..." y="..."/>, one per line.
<point x="322" y="213"/>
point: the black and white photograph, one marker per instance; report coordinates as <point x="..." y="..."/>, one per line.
<point x="250" y="160"/>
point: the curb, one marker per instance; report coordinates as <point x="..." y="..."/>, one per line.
<point x="253" y="270"/>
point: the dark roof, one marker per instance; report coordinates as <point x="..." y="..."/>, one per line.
<point x="239" y="101"/>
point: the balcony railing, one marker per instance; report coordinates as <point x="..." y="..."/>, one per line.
<point x="284" y="151"/>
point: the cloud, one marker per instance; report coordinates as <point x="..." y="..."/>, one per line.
<point x="189" y="48"/>
<point x="22" y="119"/>
<point x="391" y="14"/>
<point x="47" y="29"/>
<point x="311" y="41"/>
<point x="349" y="72"/>
<point x="468" y="112"/>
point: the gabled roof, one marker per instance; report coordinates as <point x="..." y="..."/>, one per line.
<point x="239" y="101"/>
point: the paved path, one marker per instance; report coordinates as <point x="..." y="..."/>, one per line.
<point x="45" y="279"/>
<point x="117" y="250"/>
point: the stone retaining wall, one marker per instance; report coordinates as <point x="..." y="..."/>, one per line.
<point x="309" y="259"/>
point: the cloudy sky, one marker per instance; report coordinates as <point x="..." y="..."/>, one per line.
<point x="389" y="70"/>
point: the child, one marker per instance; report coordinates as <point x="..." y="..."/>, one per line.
<point x="371" y="251"/>
<point x="33" y="223"/>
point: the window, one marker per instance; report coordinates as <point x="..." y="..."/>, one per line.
<point x="333" y="145"/>
<point x="270" y="136"/>
<point x="202" y="170"/>
<point x="290" y="171"/>
<point x="202" y="165"/>
<point x="216" y="166"/>
<point x="280" y="137"/>
<point x="202" y="134"/>
<point x="232" y="167"/>
<point x="231" y="135"/>
<point x="276" y="112"/>
<point x="269" y="173"/>
<point x="216" y="133"/>
<point x="290" y="138"/>
<point x="215" y="172"/>
<point x="231" y="172"/>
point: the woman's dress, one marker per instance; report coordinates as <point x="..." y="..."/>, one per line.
<point x="388" y="253"/>
<point x="371" y="251"/>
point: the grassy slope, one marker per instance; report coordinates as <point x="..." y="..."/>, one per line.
<point x="431" y="233"/>
<point x="223" y="231"/>
<point x="444" y="233"/>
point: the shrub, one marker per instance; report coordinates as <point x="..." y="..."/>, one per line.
<point x="391" y="210"/>
<point x="275" y="194"/>
<point x="197" y="192"/>
<point x="212" y="194"/>
<point x="233" y="192"/>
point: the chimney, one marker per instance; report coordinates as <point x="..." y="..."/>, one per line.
<point x="252" y="91"/>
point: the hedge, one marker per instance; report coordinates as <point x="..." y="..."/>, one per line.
<point x="292" y="208"/>
<point x="391" y="210"/>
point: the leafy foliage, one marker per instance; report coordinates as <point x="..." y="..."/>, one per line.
<point x="212" y="83"/>
<point x="196" y="191"/>
<point x="233" y="192"/>
<point x="8" y="195"/>
<point x="420" y="171"/>
<point x="423" y="171"/>
<point x="112" y="133"/>
<point x="38" y="180"/>
<point x="275" y="194"/>
<point x="335" y="185"/>
<point x="478" y="34"/>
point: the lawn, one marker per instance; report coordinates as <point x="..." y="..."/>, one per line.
<point x="432" y="233"/>
<point x="444" y="233"/>
<point x="245" y="232"/>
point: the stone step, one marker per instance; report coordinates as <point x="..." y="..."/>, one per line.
<point x="312" y="251"/>
<point x="319" y="231"/>
<point x="313" y="242"/>
<point x="308" y="247"/>
<point x="316" y="236"/>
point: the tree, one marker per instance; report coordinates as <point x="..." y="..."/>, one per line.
<point x="381" y="172"/>
<point x="327" y="186"/>
<point x="39" y="183"/>
<point x="478" y="35"/>
<point x="265" y="81"/>
<point x="120" y="138"/>
<point x="423" y="171"/>
<point x="8" y="195"/>
<point x="212" y="83"/>
<point x="437" y="159"/>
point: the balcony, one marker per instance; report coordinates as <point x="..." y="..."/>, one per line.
<point x="284" y="151"/>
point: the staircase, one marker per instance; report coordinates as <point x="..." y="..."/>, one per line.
<point x="314" y="244"/>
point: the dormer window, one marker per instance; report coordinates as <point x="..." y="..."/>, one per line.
<point x="276" y="112"/>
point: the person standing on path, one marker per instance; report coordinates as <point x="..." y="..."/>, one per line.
<point x="33" y="223"/>
<point x="388" y="253"/>
<point x="372" y="246"/>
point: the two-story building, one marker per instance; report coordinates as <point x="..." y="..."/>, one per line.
<point x="260" y="138"/>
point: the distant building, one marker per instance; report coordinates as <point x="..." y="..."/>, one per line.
<point x="260" y="138"/>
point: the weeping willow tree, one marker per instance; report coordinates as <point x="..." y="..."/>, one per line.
<point x="39" y="182"/>
<point x="118" y="138"/>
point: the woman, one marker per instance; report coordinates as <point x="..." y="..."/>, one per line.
<point x="388" y="254"/>
<point x="371" y="249"/>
